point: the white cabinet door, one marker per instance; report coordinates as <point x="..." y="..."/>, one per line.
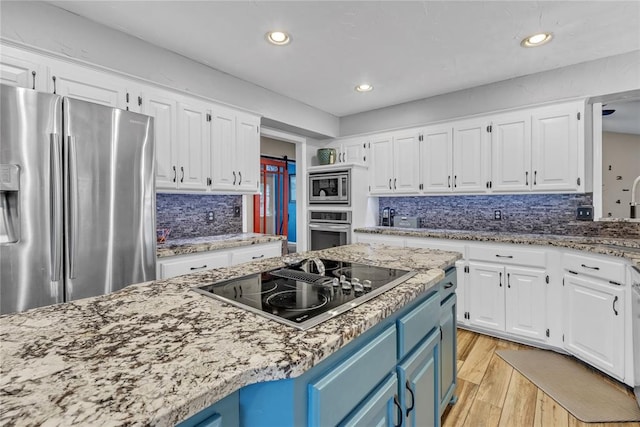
<point x="248" y="152"/>
<point x="223" y="148"/>
<point x="193" y="143"/>
<point x="93" y="86"/>
<point x="485" y="296"/>
<point x="381" y="169"/>
<point x="511" y="153"/>
<point x="163" y="110"/>
<point x="594" y="323"/>
<point x="436" y="159"/>
<point x="469" y="156"/>
<point x="18" y="69"/>
<point x="354" y="152"/>
<point x="526" y="312"/>
<point x="555" y="142"/>
<point x="406" y="154"/>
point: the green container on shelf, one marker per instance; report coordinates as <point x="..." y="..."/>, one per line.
<point x="326" y="156"/>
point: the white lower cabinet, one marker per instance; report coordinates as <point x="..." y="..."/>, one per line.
<point x="255" y="252"/>
<point x="485" y="296"/>
<point x="594" y="322"/>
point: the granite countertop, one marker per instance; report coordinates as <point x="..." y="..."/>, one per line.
<point x="156" y="353"/>
<point x="193" y="245"/>
<point x="613" y="246"/>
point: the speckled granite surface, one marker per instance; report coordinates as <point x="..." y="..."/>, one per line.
<point x="620" y="247"/>
<point x="193" y="245"/>
<point x="158" y="352"/>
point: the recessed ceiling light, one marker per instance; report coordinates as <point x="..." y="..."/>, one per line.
<point x="278" y="37"/>
<point x="364" y="87"/>
<point x="536" y="40"/>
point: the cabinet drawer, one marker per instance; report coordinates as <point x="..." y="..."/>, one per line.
<point x="504" y="255"/>
<point x="179" y="265"/>
<point x="338" y="392"/>
<point x="417" y="324"/>
<point x="256" y="252"/>
<point x="608" y="270"/>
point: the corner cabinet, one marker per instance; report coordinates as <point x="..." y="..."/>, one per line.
<point x="350" y="151"/>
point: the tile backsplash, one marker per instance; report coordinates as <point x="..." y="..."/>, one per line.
<point x="527" y="213"/>
<point x="186" y="214"/>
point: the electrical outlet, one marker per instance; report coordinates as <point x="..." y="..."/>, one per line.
<point x="236" y="211"/>
<point x="584" y="213"/>
<point x="210" y="216"/>
<point x="497" y="214"/>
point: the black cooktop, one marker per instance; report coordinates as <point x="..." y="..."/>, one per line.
<point x="307" y="292"/>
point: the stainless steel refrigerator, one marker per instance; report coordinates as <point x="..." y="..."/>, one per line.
<point x="77" y="199"/>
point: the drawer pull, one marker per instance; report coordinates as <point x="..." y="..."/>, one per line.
<point x="399" y="410"/>
<point x="615" y="300"/>
<point x="590" y="268"/>
<point x="257" y="257"/>
<point x="198" y="268"/>
<point x="413" y="399"/>
<point x="448" y="285"/>
<point x="504" y="256"/>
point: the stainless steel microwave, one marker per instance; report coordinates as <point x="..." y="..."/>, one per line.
<point x="330" y="188"/>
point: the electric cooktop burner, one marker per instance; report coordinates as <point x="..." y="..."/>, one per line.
<point x="307" y="292"/>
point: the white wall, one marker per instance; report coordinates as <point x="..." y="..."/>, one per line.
<point x="609" y="75"/>
<point x="47" y="27"/>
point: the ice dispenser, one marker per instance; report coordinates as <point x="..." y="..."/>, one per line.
<point x="9" y="194"/>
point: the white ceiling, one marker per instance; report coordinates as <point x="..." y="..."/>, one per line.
<point x="625" y="119"/>
<point x="407" y="50"/>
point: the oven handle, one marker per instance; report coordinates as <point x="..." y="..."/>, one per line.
<point x="345" y="227"/>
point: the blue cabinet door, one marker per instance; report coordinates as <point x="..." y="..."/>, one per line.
<point x="448" y="350"/>
<point x="226" y="410"/>
<point x="418" y="384"/>
<point x="379" y="409"/>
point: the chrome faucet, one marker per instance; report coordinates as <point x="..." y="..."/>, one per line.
<point x="633" y="197"/>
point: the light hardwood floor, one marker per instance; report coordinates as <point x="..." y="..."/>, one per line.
<point x="491" y="393"/>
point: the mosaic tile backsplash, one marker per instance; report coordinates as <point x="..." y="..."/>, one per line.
<point x="528" y="213"/>
<point x="186" y="214"/>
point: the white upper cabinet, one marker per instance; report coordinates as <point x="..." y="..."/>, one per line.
<point x="469" y="155"/>
<point x="558" y="147"/>
<point x="235" y="154"/>
<point x="88" y="85"/>
<point x="18" y="68"/>
<point x="350" y="151"/>
<point x="381" y="169"/>
<point x="395" y="163"/>
<point x="164" y="111"/>
<point x="510" y="153"/>
<point x="193" y="145"/>
<point x="436" y="159"/>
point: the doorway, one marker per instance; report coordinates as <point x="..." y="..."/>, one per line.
<point x="271" y="205"/>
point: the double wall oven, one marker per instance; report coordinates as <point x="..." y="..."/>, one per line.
<point x="329" y="213"/>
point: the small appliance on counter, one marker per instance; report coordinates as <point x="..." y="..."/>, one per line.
<point x="407" y="222"/>
<point x="387" y="217"/>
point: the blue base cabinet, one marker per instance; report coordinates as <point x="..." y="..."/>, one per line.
<point x="224" y="413"/>
<point x="400" y="373"/>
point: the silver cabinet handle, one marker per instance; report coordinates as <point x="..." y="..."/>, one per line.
<point x="198" y="268"/>
<point x="234" y="177"/>
<point x="182" y="170"/>
<point x="240" y="174"/>
<point x="73" y="204"/>
<point x="175" y="174"/>
<point x="257" y="257"/>
<point x="56" y="208"/>
<point x="615" y="300"/>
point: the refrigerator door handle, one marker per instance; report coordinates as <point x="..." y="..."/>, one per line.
<point x="56" y="207"/>
<point x="73" y="205"/>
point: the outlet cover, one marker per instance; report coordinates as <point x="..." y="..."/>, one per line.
<point x="497" y="214"/>
<point x="210" y="217"/>
<point x="236" y="211"/>
<point x="584" y="213"/>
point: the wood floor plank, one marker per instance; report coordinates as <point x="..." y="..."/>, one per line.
<point x="520" y="405"/>
<point x="549" y="412"/>
<point x="475" y="364"/>
<point x="466" y="392"/>
<point x="466" y="341"/>
<point x="494" y="385"/>
<point x="483" y="414"/>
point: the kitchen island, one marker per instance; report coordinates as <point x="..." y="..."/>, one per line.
<point x="157" y="353"/>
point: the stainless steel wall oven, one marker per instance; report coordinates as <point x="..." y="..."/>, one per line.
<point x="328" y="229"/>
